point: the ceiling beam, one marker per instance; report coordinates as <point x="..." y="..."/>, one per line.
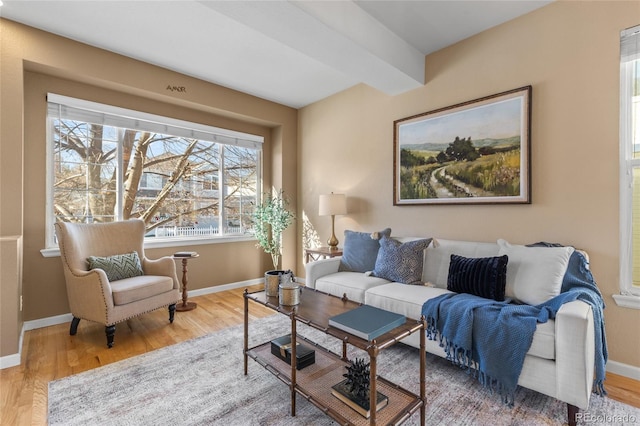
<point x="338" y="34"/>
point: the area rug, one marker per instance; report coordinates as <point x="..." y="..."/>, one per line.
<point x="201" y="382"/>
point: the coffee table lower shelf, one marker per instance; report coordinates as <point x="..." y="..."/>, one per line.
<point x="315" y="381"/>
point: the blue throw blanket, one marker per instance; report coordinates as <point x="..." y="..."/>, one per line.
<point x="497" y="335"/>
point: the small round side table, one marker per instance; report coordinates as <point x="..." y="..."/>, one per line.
<point x="185" y="305"/>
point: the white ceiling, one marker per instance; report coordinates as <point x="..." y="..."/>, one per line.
<point x="290" y="52"/>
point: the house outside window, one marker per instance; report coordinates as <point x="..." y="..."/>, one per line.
<point x="629" y="168"/>
<point x="187" y="181"/>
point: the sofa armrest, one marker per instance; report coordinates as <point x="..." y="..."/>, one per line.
<point x="320" y="268"/>
<point x="575" y="347"/>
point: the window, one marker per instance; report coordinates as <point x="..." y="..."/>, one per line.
<point x="629" y="167"/>
<point x="185" y="180"/>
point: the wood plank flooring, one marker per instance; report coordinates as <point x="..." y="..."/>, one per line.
<point x="50" y="353"/>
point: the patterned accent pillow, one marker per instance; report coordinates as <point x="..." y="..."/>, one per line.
<point x="401" y="262"/>
<point x="361" y="250"/>
<point x="119" y="266"/>
<point x="484" y="276"/>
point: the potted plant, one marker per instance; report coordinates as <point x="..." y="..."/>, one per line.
<point x="270" y="218"/>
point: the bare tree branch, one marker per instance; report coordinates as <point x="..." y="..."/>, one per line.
<point x="178" y="171"/>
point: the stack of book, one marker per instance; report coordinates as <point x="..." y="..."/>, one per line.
<point x="367" y="322"/>
<point x="185" y="254"/>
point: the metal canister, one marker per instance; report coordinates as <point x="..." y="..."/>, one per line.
<point x="289" y="294"/>
<point x="271" y="282"/>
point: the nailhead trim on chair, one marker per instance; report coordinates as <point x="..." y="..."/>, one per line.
<point x="130" y="317"/>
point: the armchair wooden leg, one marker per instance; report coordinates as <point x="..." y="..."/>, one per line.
<point x="111" y="331"/>
<point x="74" y="326"/>
<point x="572" y="412"/>
<point x="172" y="311"/>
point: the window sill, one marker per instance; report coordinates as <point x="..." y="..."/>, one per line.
<point x="55" y="251"/>
<point x="627" y="301"/>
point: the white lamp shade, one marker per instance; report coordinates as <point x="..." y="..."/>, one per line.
<point x="332" y="204"/>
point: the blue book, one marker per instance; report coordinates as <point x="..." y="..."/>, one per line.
<point x="367" y="322"/>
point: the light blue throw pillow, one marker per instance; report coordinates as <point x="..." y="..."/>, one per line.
<point x="360" y="250"/>
<point x="119" y="266"/>
<point x="401" y="262"/>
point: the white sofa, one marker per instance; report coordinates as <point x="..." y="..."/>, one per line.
<point x="560" y="361"/>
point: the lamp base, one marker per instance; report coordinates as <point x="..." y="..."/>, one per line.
<point x="333" y="241"/>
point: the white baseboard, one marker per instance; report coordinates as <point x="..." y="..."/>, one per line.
<point x="224" y="287"/>
<point x="239" y="284"/>
<point x="625" y="370"/>
<point x="46" y="322"/>
<point x="615" y="367"/>
<point x="14" y="359"/>
<point x="10" y="361"/>
<point x="61" y="319"/>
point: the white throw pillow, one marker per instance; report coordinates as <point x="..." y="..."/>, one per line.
<point x="438" y="257"/>
<point x="534" y="274"/>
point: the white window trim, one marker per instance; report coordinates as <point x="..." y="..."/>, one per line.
<point x="162" y="123"/>
<point x="163" y="243"/>
<point x="627" y="301"/>
<point x="628" y="297"/>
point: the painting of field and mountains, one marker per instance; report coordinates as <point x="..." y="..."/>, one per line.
<point x="476" y="152"/>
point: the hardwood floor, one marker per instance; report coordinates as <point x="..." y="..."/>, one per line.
<point x="50" y="353"/>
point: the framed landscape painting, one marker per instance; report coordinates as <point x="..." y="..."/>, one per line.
<point x="477" y="152"/>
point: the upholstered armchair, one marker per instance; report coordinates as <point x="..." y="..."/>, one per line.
<point x="108" y="277"/>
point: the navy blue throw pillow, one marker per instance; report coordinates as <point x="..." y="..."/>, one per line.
<point x="485" y="276"/>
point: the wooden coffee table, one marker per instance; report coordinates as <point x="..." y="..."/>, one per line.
<point x="314" y="382"/>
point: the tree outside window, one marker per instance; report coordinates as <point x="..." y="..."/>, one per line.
<point x="179" y="186"/>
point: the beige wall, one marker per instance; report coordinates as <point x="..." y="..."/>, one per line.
<point x="569" y="53"/>
<point x="33" y="63"/>
<point x="10" y="290"/>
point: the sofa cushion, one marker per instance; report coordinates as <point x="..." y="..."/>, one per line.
<point x="353" y="284"/>
<point x="482" y="276"/>
<point x="360" y="250"/>
<point x="117" y="267"/>
<point x="408" y="300"/>
<point x="401" y="262"/>
<point x="438" y="257"/>
<point x="402" y="299"/>
<point x="534" y="274"/>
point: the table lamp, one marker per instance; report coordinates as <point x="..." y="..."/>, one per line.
<point x="331" y="205"/>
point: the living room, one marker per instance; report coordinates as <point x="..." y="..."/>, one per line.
<point x="567" y="51"/>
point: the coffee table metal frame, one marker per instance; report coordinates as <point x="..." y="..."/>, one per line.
<point x="315" y="309"/>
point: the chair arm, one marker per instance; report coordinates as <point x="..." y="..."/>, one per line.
<point x="575" y="349"/>
<point x="89" y="294"/>
<point x="320" y="268"/>
<point x="164" y="266"/>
